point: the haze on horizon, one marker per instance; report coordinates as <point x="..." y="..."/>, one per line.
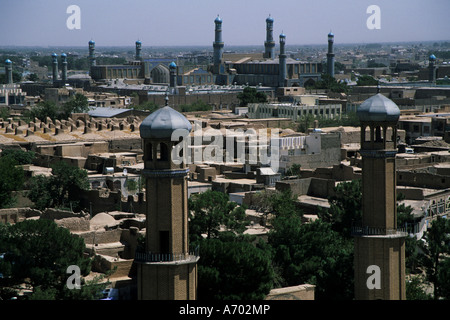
<point x="191" y="23"/>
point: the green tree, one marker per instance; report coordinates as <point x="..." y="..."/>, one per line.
<point x="315" y="254"/>
<point x="195" y="106"/>
<point x="251" y="95"/>
<point x="11" y="179"/>
<point x="416" y="289"/>
<point x="33" y="77"/>
<point x="211" y="210"/>
<point x="44" y="109"/>
<point x="330" y="83"/>
<point x="366" y="80"/>
<point x="41" y="192"/>
<point x="294" y="170"/>
<point x="4" y="113"/>
<point x="345" y="207"/>
<point x="435" y="247"/>
<point x="38" y="253"/>
<point x="233" y="269"/>
<point x="305" y="122"/>
<point x="443" y="278"/>
<point x="283" y="204"/>
<point x="77" y="104"/>
<point x="19" y="155"/>
<point x="60" y="189"/>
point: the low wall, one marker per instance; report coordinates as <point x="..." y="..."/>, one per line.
<point x="301" y="292"/>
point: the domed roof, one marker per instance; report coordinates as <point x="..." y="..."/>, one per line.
<point x="282" y="35"/>
<point x="218" y="20"/>
<point x="432" y="57"/>
<point x="138" y="42"/>
<point x="91" y="42"/>
<point x="331" y="34"/>
<point x="269" y="19"/>
<point x="378" y="108"/>
<point x="162" y="123"/>
<point x="7" y="61"/>
<point x="63" y="55"/>
<point x="172" y="65"/>
<point x="54" y="54"/>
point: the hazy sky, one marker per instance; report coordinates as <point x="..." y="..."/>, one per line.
<point x="191" y="22"/>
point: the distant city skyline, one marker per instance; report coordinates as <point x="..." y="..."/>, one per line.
<point x="190" y="23"/>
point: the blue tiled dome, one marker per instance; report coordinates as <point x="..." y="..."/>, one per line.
<point x="432" y="57"/>
<point x="378" y="108"/>
<point x="162" y="123"/>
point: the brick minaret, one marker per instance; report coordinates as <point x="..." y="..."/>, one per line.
<point x="379" y="244"/>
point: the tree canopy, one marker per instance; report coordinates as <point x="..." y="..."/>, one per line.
<point x="60" y="189"/>
<point x="435" y="261"/>
<point x="345" y="207"/>
<point x="251" y="95"/>
<point x="233" y="269"/>
<point x="11" y="179"/>
<point x="210" y="211"/>
<point x="366" y="80"/>
<point x="19" y="155"/>
<point x="77" y="104"/>
<point x="330" y="83"/>
<point x="37" y="253"/>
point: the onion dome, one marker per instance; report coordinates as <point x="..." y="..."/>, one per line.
<point x="378" y="108"/>
<point x="162" y="123"/>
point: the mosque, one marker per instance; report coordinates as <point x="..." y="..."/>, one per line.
<point x="265" y="69"/>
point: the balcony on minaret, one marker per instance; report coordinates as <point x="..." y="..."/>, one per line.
<point x="378" y="116"/>
<point x="163" y="135"/>
<point x="377" y="136"/>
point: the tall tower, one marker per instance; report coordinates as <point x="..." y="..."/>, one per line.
<point x="379" y="259"/>
<point x="173" y="74"/>
<point x="218" y="45"/>
<point x="55" y="68"/>
<point x="330" y="55"/>
<point x="282" y="61"/>
<point x="432" y="68"/>
<point x="167" y="270"/>
<point x="269" y="44"/>
<point x="92" y="61"/>
<point x="138" y="50"/>
<point x="64" y="68"/>
<point x="8" y="72"/>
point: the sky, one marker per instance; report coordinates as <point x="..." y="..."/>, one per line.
<point x="191" y="22"/>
